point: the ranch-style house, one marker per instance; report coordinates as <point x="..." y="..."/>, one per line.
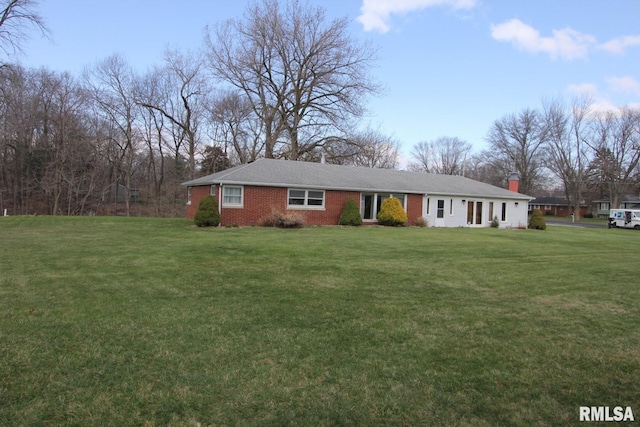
<point x="318" y="191"/>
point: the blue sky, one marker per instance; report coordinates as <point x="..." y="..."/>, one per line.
<point x="448" y="67"/>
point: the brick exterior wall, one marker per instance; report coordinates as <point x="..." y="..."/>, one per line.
<point x="261" y="201"/>
<point x="414" y="208"/>
<point x="558" y="210"/>
<point x="197" y="193"/>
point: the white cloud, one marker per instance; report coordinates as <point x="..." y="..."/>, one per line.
<point x="584" y="89"/>
<point x="618" y="45"/>
<point x="627" y="85"/>
<point x="601" y="103"/>
<point x="376" y="14"/>
<point x="566" y="43"/>
<point x="598" y="104"/>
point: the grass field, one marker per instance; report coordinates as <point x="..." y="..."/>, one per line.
<point x="129" y="321"/>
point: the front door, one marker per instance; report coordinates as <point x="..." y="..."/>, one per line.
<point x="440" y="222"/>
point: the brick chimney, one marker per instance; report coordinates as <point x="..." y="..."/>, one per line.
<point x="514" y="180"/>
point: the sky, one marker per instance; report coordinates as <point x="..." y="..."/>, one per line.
<point x="447" y="67"/>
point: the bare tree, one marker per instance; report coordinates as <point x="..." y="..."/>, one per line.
<point x="567" y="153"/>
<point x="616" y="142"/>
<point x="47" y="158"/>
<point x="21" y="150"/>
<point x="153" y="127"/>
<point x="15" y="16"/>
<point x="368" y="148"/>
<point x="185" y="100"/>
<point x="515" y="145"/>
<point x="445" y="155"/>
<point x="480" y="168"/>
<point x="112" y="86"/>
<point x="65" y="104"/>
<point x="304" y="77"/>
<point x="236" y="127"/>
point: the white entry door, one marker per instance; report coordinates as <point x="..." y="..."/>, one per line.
<point x="440" y="222"/>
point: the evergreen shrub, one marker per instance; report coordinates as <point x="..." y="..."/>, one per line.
<point x="537" y="222"/>
<point x="392" y="213"/>
<point x="350" y="213"/>
<point x="495" y="222"/>
<point x="207" y="214"/>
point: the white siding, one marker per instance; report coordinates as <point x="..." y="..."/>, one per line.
<point x="516" y="216"/>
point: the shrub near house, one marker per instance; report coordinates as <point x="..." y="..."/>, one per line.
<point x="207" y="214"/>
<point x="350" y="213"/>
<point x="392" y="213"/>
<point x="537" y="221"/>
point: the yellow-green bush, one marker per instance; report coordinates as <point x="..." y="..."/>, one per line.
<point x="392" y="212"/>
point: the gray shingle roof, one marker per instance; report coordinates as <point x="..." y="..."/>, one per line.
<point x="286" y="173"/>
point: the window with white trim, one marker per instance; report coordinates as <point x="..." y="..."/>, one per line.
<point x="232" y="196"/>
<point x="370" y="204"/>
<point x="188" y="195"/>
<point x="299" y="198"/>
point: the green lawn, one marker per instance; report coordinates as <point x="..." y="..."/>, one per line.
<point x="130" y="321"/>
<point x="597" y="221"/>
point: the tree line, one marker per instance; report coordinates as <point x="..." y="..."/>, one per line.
<point x="283" y="81"/>
<point x="589" y="153"/>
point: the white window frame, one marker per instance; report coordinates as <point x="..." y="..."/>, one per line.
<point x="228" y="204"/>
<point x="305" y="205"/>
<point x="375" y="196"/>
<point x="188" y="195"/>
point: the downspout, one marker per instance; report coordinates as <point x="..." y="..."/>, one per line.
<point x="220" y="202"/>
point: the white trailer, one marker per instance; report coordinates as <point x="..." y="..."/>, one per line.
<point x="624" y="218"/>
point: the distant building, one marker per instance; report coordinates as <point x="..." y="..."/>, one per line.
<point x="602" y="206"/>
<point x="557" y="206"/>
